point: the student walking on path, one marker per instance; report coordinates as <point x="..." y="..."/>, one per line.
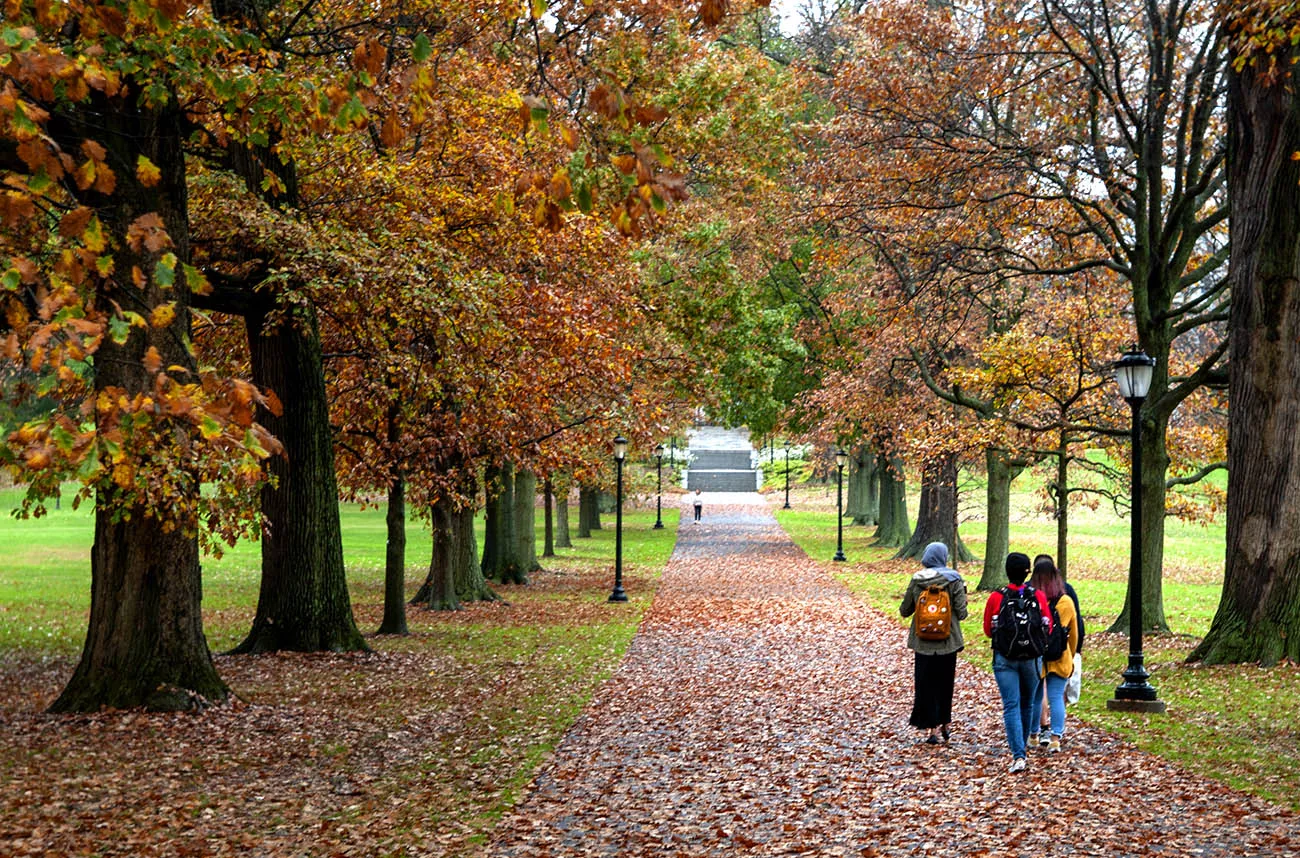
<point x="935" y="638"/>
<point x="1017" y="619"/>
<point x="1057" y="666"/>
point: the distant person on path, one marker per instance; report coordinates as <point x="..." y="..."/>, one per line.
<point x="1017" y="618"/>
<point x="936" y="602"/>
<point x="1045" y="715"/>
<point x="1056" y="672"/>
<point x="698" y="502"/>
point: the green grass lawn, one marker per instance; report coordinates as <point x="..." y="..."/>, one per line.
<point x="1234" y="723"/>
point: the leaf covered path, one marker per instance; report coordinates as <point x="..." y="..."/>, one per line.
<point x="762" y="710"/>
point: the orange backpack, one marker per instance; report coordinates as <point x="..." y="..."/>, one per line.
<point x="934" y="614"/>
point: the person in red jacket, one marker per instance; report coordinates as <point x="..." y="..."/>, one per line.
<point x="1017" y="651"/>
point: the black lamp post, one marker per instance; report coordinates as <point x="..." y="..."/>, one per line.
<point x="1133" y="374"/>
<point x="620" y="453"/>
<point x="787" y="476"/>
<point x="841" y="458"/>
<point x="659" y="494"/>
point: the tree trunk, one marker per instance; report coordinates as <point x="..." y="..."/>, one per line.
<point x="562" y="539"/>
<point x="525" y="511"/>
<point x="548" y="517"/>
<point x="501" y="561"/>
<point x="303" y="604"/>
<point x="893" y="530"/>
<point x="440" y="590"/>
<point x="144" y="642"/>
<point x="1062" y="502"/>
<point x="471" y="586"/>
<point x="936" y="519"/>
<point x="997" y="541"/>
<point x="1258" y="619"/>
<point x="1154" y="428"/>
<point x="394" y="622"/>
<point x="863" y="504"/>
<point x="588" y="510"/>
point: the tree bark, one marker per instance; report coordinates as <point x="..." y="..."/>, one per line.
<point x="394" y="622"/>
<point x="1001" y="470"/>
<point x="525" y="511"/>
<point x="1154" y="427"/>
<point x="144" y="643"/>
<point x="440" y="590"/>
<point x="936" y="518"/>
<point x="501" y="561"/>
<point x="1258" y="619"/>
<point x="562" y="538"/>
<point x="588" y="510"/>
<point x="893" y="530"/>
<point x="548" y="505"/>
<point x="1062" y="503"/>
<point x="863" y="504"/>
<point x="303" y="604"/>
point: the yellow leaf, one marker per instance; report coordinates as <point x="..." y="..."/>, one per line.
<point x="147" y="172"/>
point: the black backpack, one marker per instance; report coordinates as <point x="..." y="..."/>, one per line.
<point x="1058" y="639"/>
<point x="1018" y="631"/>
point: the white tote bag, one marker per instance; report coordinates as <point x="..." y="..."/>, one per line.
<point x="1074" y="685"/>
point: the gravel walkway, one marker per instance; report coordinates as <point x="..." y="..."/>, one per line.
<point x="762" y="710"/>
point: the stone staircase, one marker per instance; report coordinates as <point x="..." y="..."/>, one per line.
<point x="722" y="460"/>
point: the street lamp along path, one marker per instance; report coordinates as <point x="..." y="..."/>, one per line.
<point x="1133" y="374"/>
<point x="841" y="459"/>
<point x="620" y="453"/>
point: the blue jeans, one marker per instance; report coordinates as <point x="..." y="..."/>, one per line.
<point x="1055" y="702"/>
<point x="1016" y="682"/>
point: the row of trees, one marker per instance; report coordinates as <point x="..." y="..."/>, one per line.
<point x="258" y="256"/>
<point x="1001" y="199"/>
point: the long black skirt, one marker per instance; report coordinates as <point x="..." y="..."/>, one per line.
<point x="932" y="705"/>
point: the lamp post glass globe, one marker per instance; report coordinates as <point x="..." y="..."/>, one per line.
<point x="1133" y="374"/>
<point x="840" y="459"/>
<point x="620" y="453"/>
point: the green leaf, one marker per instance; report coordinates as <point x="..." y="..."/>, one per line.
<point x="422" y="49"/>
<point x="119" y="329"/>
<point x="539" y="8"/>
<point x="209" y="428"/>
<point x="62" y="438"/>
<point x="164" y="273"/>
<point x="584" y="200"/>
<point x="11" y="280"/>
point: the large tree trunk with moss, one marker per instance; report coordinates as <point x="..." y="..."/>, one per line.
<point x="892" y="531"/>
<point x="471" y="585"/>
<point x="588" y="510"/>
<point x="936" y="518"/>
<point x="863" y="504"/>
<point x="303" y="604"/>
<point x="439" y="590"/>
<point x="1258" y="619"/>
<point x="562" y="537"/>
<point x="455" y="575"/>
<point x="1001" y="470"/>
<point x="525" y="509"/>
<point x="394" y="622"/>
<point x="501" y="561"/>
<point x="144" y="643"/>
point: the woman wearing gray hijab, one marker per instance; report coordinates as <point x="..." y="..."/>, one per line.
<point x="936" y="602"/>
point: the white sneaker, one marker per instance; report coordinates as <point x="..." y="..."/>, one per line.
<point x="1018" y="764"/>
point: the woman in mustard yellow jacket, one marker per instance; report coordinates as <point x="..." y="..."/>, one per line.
<point x="1047" y="580"/>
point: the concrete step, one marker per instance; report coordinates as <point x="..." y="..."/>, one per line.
<point x="720" y="460"/>
<point x="722" y="480"/>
